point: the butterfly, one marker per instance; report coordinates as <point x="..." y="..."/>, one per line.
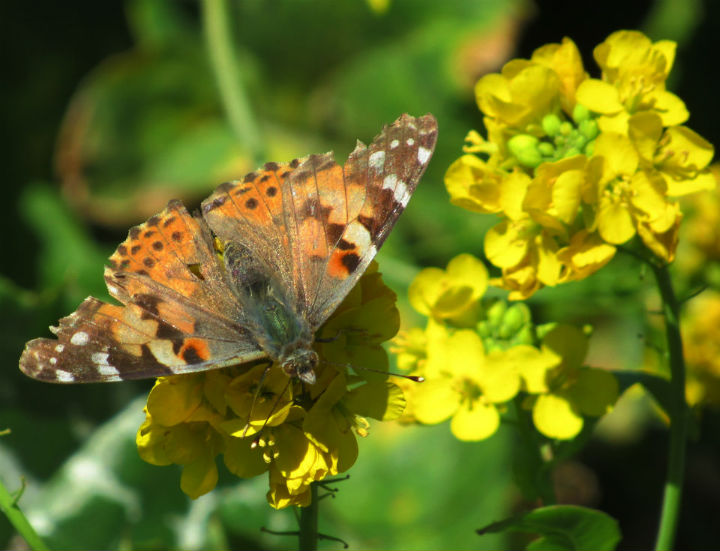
<point x="251" y="277"/>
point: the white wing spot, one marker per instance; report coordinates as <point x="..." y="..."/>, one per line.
<point x="99" y="358"/>
<point x="390" y="181"/>
<point x="59" y="348"/>
<point x="53" y="361"/>
<point x="401" y="195"/>
<point x="423" y="155"/>
<point x="394" y="144"/>
<point x="377" y="160"/>
<point x="109" y="372"/>
<point x="410" y="142"/>
<point x="113" y="290"/>
<point x="80" y="338"/>
<point x="64" y="376"/>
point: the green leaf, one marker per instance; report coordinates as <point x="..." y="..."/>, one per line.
<point x="563" y="528"/>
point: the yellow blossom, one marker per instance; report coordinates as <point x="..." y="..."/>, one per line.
<point x="466" y="384"/>
<point x="564" y="391"/>
<point x="452" y="293"/>
<point x="261" y="421"/>
<point x="634" y="71"/>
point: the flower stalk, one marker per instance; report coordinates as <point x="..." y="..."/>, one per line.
<point x="678" y="416"/>
<point x="9" y="506"/>
<point x="223" y="60"/>
<point x="308" y="535"/>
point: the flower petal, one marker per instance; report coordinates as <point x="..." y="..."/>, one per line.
<point x="555" y="417"/>
<point x="478" y="423"/>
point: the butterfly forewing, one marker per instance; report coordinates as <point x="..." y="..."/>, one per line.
<point x="346" y="223"/>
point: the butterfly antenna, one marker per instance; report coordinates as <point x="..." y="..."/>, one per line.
<point x="414" y="378"/>
<point x="256" y="441"/>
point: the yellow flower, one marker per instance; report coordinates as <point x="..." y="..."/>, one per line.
<point x="564" y="391"/>
<point x="527" y="255"/>
<point x="466" y="384"/>
<point x="520" y="95"/>
<point x="624" y="196"/>
<point x="634" y="71"/>
<point x="450" y="294"/>
<point x="565" y="60"/>
<point x="261" y="421"/>
<point x="678" y="154"/>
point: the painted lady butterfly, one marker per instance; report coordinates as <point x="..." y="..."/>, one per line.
<point x="294" y="239"/>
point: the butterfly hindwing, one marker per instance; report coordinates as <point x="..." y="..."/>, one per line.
<point x="179" y="314"/>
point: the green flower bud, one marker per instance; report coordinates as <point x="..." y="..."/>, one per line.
<point x="516" y="317"/>
<point x="526" y="335"/>
<point x="590" y="148"/>
<point x="589" y="129"/>
<point x="551" y="124"/>
<point x="524" y="149"/>
<point x="484" y="330"/>
<point x="495" y="310"/>
<point x="572" y="151"/>
<point x="546" y="149"/>
<point x="580" y="113"/>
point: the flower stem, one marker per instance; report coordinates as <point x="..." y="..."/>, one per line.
<point x="678" y="415"/>
<point x="9" y="506"/>
<point x="309" y="523"/>
<point x="223" y="59"/>
<point x="532" y="444"/>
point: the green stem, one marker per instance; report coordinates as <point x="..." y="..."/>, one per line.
<point x="533" y="444"/>
<point x="9" y="506"/>
<point x="223" y="59"/>
<point x="678" y="415"/>
<point x="309" y="522"/>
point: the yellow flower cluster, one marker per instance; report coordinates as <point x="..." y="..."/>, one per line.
<point x="477" y="355"/>
<point x="577" y="166"/>
<point x="261" y="421"/>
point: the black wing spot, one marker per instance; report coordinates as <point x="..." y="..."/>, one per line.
<point x="176" y="236"/>
<point x="135" y="249"/>
<point x="158" y="246"/>
<point x="168" y="221"/>
<point x="271" y="191"/>
<point x="134" y="232"/>
<point x="149" y="262"/>
<point x="191" y="356"/>
<point x="251" y="203"/>
<point x="153" y="220"/>
<point x="345" y="245"/>
<point x="350" y="261"/>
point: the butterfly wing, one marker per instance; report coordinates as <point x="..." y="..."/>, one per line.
<point x="338" y="217"/>
<point x="179" y="314"/>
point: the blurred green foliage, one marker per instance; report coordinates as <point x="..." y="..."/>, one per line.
<point x="132" y="106"/>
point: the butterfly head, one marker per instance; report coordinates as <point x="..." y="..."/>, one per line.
<point x="300" y="362"/>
